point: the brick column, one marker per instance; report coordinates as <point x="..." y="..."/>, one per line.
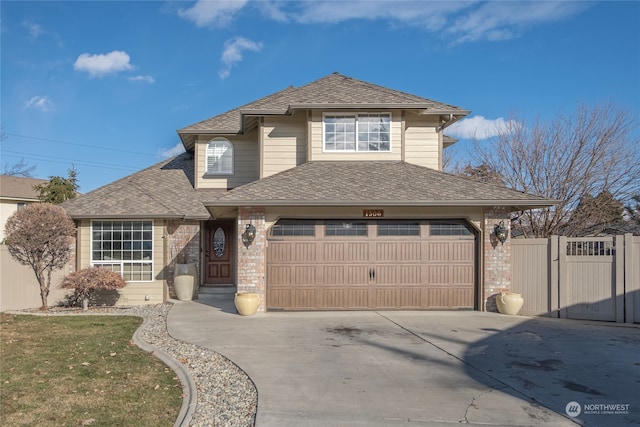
<point x="497" y="257"/>
<point x="251" y="256"/>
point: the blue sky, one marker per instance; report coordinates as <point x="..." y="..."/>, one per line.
<point x="103" y="86"/>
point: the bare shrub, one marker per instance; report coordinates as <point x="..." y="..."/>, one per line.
<point x="88" y="282"/>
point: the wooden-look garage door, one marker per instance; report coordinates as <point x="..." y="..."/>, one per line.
<point x="365" y="265"/>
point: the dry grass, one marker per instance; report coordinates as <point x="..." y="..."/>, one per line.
<point x="81" y="370"/>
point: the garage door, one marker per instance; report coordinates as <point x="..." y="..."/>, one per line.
<point x="366" y="265"/>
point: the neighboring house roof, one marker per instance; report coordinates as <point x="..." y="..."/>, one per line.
<point x="372" y="183"/>
<point x="164" y="190"/>
<point x="19" y="188"/>
<point x="332" y="91"/>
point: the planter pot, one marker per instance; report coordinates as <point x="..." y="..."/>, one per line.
<point x="509" y="303"/>
<point x="184" y="279"/>
<point x="247" y="303"/>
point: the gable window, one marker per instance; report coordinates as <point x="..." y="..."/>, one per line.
<point x="219" y="157"/>
<point x="357" y="132"/>
<point x="125" y="247"/>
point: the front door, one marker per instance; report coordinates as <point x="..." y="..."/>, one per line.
<point x="219" y="253"/>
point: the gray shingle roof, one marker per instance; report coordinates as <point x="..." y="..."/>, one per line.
<point x="383" y="183"/>
<point x="334" y="90"/>
<point x="17" y="187"/>
<point x="164" y="190"/>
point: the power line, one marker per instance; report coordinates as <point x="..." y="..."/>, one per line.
<point x="57" y="141"/>
<point x="68" y="161"/>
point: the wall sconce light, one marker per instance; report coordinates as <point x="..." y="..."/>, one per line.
<point x="501" y="232"/>
<point x="249" y="234"/>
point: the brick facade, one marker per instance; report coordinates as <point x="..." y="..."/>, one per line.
<point x="252" y="256"/>
<point x="184" y="248"/>
<point x="497" y="257"/>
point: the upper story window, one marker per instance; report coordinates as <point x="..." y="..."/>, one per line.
<point x="357" y="132"/>
<point x="219" y="157"/>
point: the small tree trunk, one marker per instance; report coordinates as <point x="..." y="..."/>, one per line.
<point x="85" y="304"/>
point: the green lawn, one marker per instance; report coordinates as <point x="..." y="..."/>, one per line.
<point x="81" y="370"/>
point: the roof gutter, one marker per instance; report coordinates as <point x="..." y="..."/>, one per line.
<point x="520" y="204"/>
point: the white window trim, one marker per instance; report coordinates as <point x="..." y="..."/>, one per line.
<point x="356" y="115"/>
<point x="206" y="157"/>
<point x="96" y="263"/>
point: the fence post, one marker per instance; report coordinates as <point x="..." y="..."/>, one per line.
<point x="631" y="283"/>
<point x="562" y="277"/>
<point x="619" y="258"/>
<point x="552" y="281"/>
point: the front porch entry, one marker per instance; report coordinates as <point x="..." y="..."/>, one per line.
<point x="219" y="254"/>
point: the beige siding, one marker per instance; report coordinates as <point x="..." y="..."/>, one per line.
<point x="284" y="143"/>
<point x="421" y="141"/>
<point x="135" y="292"/>
<point x="317" y="138"/>
<point x="245" y="162"/>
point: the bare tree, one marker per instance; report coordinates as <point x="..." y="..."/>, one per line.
<point x="587" y="153"/>
<point x="21" y="168"/>
<point x="39" y="235"/>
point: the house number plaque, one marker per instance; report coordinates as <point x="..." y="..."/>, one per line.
<point x="373" y="213"/>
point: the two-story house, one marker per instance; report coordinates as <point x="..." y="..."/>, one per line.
<point x="329" y="196"/>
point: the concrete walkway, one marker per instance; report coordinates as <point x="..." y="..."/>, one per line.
<point x="424" y="368"/>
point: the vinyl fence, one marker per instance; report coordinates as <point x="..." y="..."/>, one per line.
<point x="594" y="278"/>
<point x="19" y="288"/>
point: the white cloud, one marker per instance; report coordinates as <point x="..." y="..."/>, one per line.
<point x="500" y="20"/>
<point x="102" y="64"/>
<point x="145" y="79"/>
<point x="35" y="30"/>
<point x="173" y="151"/>
<point x="214" y="13"/>
<point x="478" y="127"/>
<point x="458" y="22"/>
<point x="232" y="53"/>
<point x="42" y="103"/>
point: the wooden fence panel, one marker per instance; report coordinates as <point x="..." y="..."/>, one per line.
<point x="530" y="275"/>
<point x="579" y="278"/>
<point x="19" y="288"/>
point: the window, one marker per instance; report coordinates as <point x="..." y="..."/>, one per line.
<point x="357" y="132"/>
<point x="450" y="229"/>
<point x="219" y="157"/>
<point x="398" y="229"/>
<point x="345" y="228"/>
<point x="293" y="228"/>
<point x="20" y="205"/>
<point x="125" y="247"/>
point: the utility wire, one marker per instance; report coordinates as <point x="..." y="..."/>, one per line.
<point x="57" y="141"/>
<point x="17" y="154"/>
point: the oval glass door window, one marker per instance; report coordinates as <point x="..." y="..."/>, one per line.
<point x="219" y="242"/>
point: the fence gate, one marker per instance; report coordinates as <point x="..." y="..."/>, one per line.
<point x="587" y="268"/>
<point x="591" y="278"/>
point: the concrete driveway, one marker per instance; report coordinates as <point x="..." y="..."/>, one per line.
<point x="424" y="368"/>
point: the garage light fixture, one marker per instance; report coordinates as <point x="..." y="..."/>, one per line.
<point x="501" y="232"/>
<point x="249" y="234"/>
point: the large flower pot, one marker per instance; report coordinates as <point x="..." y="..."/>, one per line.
<point x="247" y="303"/>
<point x="184" y="279"/>
<point x="509" y="303"/>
